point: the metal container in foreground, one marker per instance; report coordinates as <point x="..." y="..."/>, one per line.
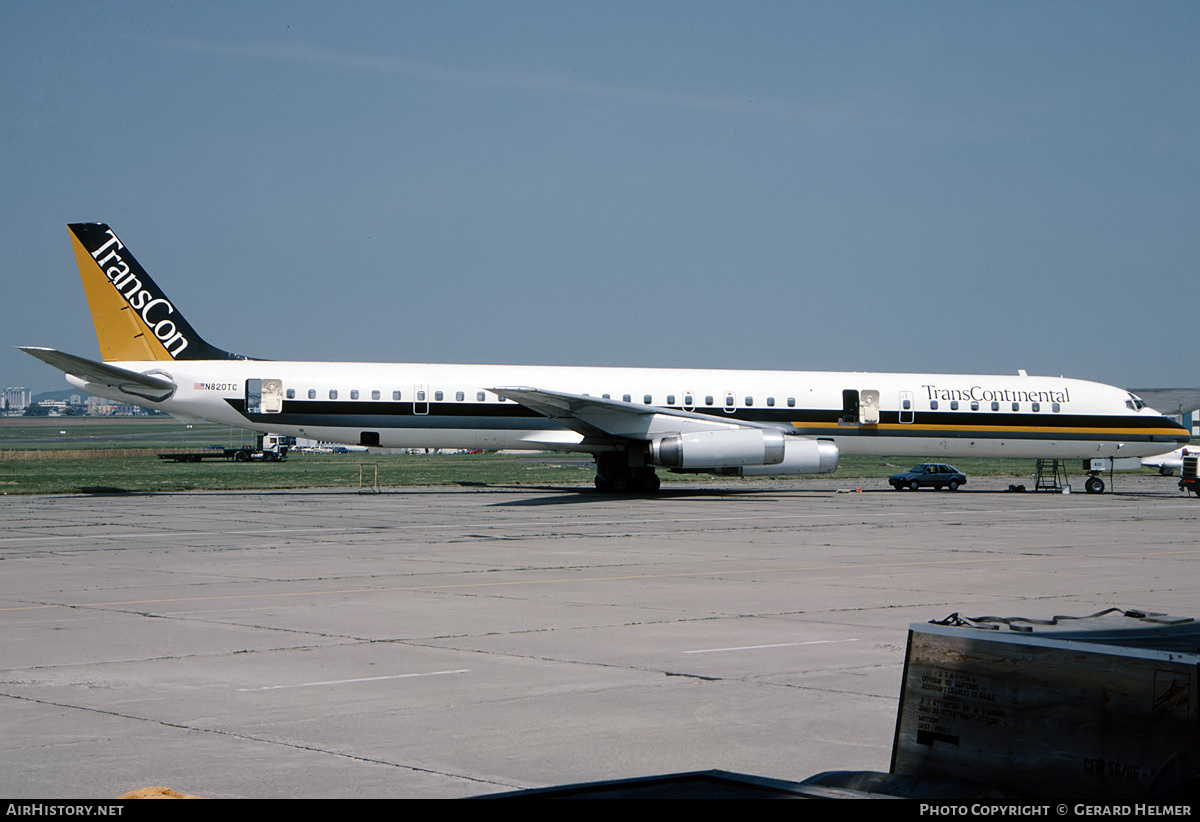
<point x="1103" y="707"/>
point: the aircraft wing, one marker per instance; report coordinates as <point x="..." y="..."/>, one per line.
<point x="122" y="379"/>
<point x="602" y="418"/>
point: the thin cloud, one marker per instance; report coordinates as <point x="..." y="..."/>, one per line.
<point x="305" y="53"/>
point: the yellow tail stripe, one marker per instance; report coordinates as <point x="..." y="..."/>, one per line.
<point x="122" y="334"/>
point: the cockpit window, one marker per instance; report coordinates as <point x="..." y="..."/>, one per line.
<point x="1135" y="403"/>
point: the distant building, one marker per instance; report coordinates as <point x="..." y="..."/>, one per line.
<point x="17" y="399"/>
<point x="99" y="406"/>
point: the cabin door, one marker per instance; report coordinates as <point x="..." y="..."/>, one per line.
<point x="264" y="396"/>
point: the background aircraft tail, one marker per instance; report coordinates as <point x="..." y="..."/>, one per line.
<point x="134" y="320"/>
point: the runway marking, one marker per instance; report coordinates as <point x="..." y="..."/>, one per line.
<point x="580" y="524"/>
<point x="778" y="645"/>
<point x="142" y="534"/>
<point x="623" y="578"/>
<point x="423" y="526"/>
<point x="351" y="681"/>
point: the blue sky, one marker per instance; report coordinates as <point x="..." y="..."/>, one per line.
<point x="924" y="186"/>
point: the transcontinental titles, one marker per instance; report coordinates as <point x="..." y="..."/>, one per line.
<point x="978" y="393"/>
<point x="138" y="297"/>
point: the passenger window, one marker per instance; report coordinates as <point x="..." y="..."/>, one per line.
<point x="1016" y="406"/>
<point x="995" y="406"/>
<point x="606" y="396"/>
<point x="688" y="399"/>
<point x="1037" y="406"/>
<point x="933" y="405"/>
<point x="312" y="393"/>
<point x="770" y="402"/>
<point x="291" y="393"/>
<point x="1054" y="407"/>
<point x="421" y="396"/>
<point x="749" y="401"/>
<point x="480" y="397"/>
<point x="354" y="394"/>
<point x="333" y="393"/>
<point x="670" y="399"/>
<point x="953" y="405"/>
<point x="791" y="402"/>
<point x="458" y="396"/>
<point x="437" y="396"/>
<point x="375" y="394"/>
<point x="708" y="400"/>
<point x="729" y="400"/>
<point x="974" y="405"/>
<point x="626" y="398"/>
<point x="396" y="395"/>
<point x="648" y="400"/>
<point x="906" y="405"/>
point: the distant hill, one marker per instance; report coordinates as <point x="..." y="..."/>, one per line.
<point x="64" y="395"/>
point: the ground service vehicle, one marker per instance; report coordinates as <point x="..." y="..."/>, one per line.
<point x="267" y="448"/>
<point x="1188" y="479"/>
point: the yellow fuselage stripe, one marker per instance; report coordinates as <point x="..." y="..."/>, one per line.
<point x="969" y="429"/>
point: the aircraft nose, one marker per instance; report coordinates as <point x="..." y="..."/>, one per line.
<point x="1182" y="435"/>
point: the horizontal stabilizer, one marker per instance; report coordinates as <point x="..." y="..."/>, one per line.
<point x="126" y="381"/>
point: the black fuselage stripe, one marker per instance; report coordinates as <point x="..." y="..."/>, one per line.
<point x="372" y="415"/>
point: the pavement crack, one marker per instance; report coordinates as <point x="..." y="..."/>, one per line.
<point x="696" y="676"/>
<point x="258" y="739"/>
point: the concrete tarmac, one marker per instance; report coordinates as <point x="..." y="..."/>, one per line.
<point x="452" y="642"/>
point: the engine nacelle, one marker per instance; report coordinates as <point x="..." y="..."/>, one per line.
<point x="803" y="456"/>
<point x="734" y="448"/>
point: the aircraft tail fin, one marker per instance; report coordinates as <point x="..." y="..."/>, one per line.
<point x="134" y="320"/>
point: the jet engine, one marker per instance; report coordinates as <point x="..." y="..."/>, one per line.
<point x="748" y="451"/>
<point x="803" y="456"/>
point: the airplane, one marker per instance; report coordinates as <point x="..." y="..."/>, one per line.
<point x="632" y="420"/>
<point x="1168" y="464"/>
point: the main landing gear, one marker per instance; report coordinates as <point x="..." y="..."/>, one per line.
<point x="616" y="474"/>
<point x="1094" y="485"/>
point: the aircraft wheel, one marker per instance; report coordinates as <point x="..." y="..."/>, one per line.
<point x="914" y="485"/>
<point x="1094" y="485"/>
<point x="648" y="482"/>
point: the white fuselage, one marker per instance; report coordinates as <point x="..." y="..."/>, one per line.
<point x="457" y="406"/>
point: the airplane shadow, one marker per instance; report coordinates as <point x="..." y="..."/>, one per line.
<point x="583" y="496"/>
